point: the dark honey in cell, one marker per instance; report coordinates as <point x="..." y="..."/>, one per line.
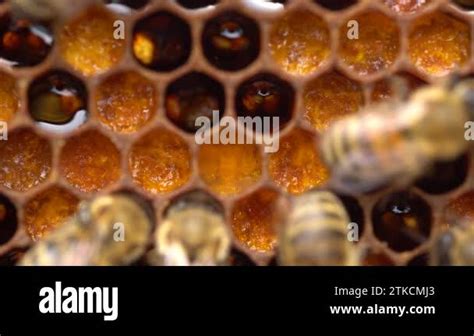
<point x="192" y="96"/>
<point x="266" y="95"/>
<point x="336" y="4"/>
<point x="22" y="43"/>
<point x="231" y="41"/>
<point x="194" y="4"/>
<point x="8" y="220"/>
<point x="58" y="102"/>
<point x="134" y="4"/>
<point x="162" y="41"/>
<point x="403" y="220"/>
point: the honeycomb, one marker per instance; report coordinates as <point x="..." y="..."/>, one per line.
<point x="119" y="120"/>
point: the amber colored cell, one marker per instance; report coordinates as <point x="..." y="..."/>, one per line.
<point x="255" y="219"/>
<point x="406" y="6"/>
<point x="297" y="167"/>
<point x="230" y="169"/>
<point x="460" y="210"/>
<point x="385" y="88"/>
<point x="25" y="160"/>
<point x="300" y="42"/>
<point x="9" y="100"/>
<point x="439" y="43"/>
<point x="88" y="43"/>
<point x="90" y="161"/>
<point x="377" y="46"/>
<point x="48" y="210"/>
<point x="126" y="102"/>
<point x="330" y="97"/>
<point x="160" y="161"/>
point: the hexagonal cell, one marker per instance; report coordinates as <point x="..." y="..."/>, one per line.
<point x="23" y="43"/>
<point x="231" y="41"/>
<point x="25" y="160"/>
<point x="192" y="96"/>
<point x="230" y="169"/>
<point x="460" y="210"/>
<point x="160" y="161"/>
<point x="255" y="219"/>
<point x="403" y="220"/>
<point x="369" y="42"/>
<point x="330" y="97"/>
<point x="9" y="97"/>
<point x="48" y="210"/>
<point x="300" y="42"/>
<point x="126" y="101"/>
<point x="266" y="96"/>
<point x="8" y="219"/>
<point x="297" y="166"/>
<point x="162" y="41"/>
<point x="439" y="43"/>
<point x="194" y="4"/>
<point x="385" y="88"/>
<point x="88" y="42"/>
<point x="57" y="101"/>
<point x="445" y="176"/>
<point x="90" y="161"/>
<point x="336" y="4"/>
<point x="406" y="6"/>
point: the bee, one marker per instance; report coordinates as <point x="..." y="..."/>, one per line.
<point x="315" y="232"/>
<point x="454" y="247"/>
<point x="47" y="10"/>
<point x="398" y="140"/>
<point x="109" y="230"/>
<point x="193" y="232"/>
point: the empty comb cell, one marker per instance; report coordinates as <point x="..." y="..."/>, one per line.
<point x="403" y="220"/>
<point x="195" y="4"/>
<point x="231" y="41"/>
<point x="162" y="41"/>
<point x="23" y="43"/>
<point x="193" y="96"/>
<point x="336" y="4"/>
<point x="57" y="101"/>
<point x="266" y="96"/>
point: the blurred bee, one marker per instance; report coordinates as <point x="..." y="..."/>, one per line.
<point x="454" y="247"/>
<point x="109" y="230"/>
<point x="193" y="232"/>
<point x="47" y="10"/>
<point x="398" y="140"/>
<point x="316" y="232"/>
